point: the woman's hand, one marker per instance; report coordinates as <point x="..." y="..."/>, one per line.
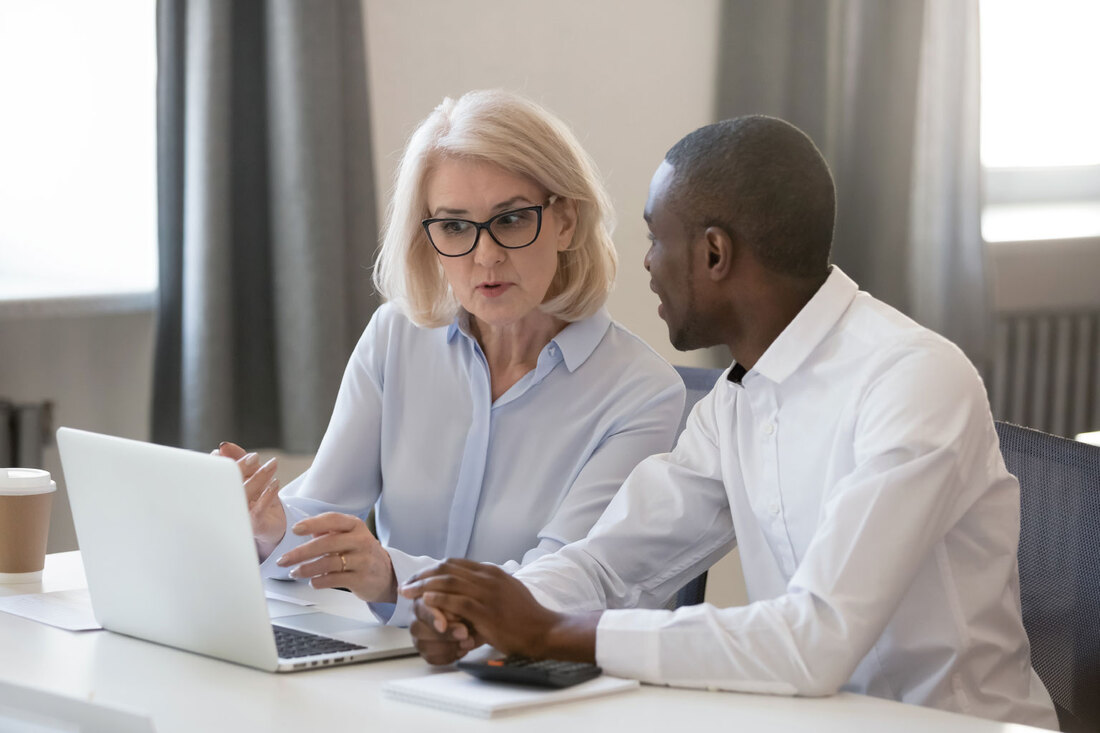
<point x="342" y="554"/>
<point x="261" y="488"/>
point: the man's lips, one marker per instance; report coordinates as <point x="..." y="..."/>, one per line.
<point x="660" y="303"/>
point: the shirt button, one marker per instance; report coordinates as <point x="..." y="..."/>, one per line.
<point x="768" y="428"/>
<point x="774" y="507"/>
<point x="552" y="350"/>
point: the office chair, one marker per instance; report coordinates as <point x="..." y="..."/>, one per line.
<point x="699" y="382"/>
<point x="1059" y="560"/>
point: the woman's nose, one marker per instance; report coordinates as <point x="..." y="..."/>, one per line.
<point x="486" y="250"/>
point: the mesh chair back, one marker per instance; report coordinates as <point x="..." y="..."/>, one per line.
<point x="699" y="382"/>
<point x="1059" y="561"/>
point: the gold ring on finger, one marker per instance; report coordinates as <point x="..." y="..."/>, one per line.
<point x="343" y="563"/>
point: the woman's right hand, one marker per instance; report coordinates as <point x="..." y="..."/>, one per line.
<point x="261" y="488"/>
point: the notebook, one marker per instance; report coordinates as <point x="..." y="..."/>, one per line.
<point x="462" y="693"/>
<point x="169" y="557"/>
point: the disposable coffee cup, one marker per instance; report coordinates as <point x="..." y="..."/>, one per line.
<point x="25" y="498"/>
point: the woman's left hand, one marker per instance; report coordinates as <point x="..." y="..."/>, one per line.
<point x="342" y="554"/>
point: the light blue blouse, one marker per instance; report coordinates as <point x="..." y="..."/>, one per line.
<point x="416" y="435"/>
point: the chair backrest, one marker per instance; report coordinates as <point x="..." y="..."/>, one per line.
<point x="699" y="381"/>
<point x="1059" y="560"/>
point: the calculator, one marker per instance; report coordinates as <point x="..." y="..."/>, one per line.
<point x="525" y="671"/>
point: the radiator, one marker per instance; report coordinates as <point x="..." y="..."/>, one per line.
<point x="24" y="432"/>
<point x="1046" y="371"/>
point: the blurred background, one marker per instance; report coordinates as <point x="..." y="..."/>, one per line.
<point x="191" y="191"/>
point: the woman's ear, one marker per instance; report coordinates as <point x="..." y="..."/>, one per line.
<point x="719" y="251"/>
<point x="565" y="211"/>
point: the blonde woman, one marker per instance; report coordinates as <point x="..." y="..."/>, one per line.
<point x="491" y="408"/>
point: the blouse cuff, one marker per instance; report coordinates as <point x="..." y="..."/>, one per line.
<point x="269" y="568"/>
<point x="404" y="567"/>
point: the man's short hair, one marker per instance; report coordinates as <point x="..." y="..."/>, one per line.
<point x="765" y="183"/>
<point x="523" y="138"/>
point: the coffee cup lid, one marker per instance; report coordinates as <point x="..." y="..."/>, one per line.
<point x="18" y="481"/>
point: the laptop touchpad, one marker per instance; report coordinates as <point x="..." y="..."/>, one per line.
<point x="326" y="624"/>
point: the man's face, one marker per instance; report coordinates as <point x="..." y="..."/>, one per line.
<point x="669" y="262"/>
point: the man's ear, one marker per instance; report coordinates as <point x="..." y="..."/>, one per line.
<point x="719" y="252"/>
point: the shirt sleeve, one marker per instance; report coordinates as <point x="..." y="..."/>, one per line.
<point x="648" y="428"/>
<point x="923" y="449"/>
<point x="346" y="473"/>
<point x="669" y="522"/>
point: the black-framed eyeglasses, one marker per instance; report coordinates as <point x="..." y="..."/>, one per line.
<point x="513" y="229"/>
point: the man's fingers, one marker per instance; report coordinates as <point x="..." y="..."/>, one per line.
<point x="459" y="605"/>
<point x="430" y="617"/>
<point x="437" y="649"/>
<point x="465" y="576"/>
<point x="454" y="584"/>
<point x="453" y="566"/>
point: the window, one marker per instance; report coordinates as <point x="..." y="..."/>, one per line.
<point x="1040" y="119"/>
<point x="78" y="145"/>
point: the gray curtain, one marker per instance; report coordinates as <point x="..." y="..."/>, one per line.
<point x="888" y="89"/>
<point x="266" y="218"/>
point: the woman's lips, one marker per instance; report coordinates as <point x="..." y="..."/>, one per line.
<point x="494" y="289"/>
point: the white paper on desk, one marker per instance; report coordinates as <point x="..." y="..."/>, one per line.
<point x="462" y="693"/>
<point x="65" y="609"/>
<point x="287" y="599"/>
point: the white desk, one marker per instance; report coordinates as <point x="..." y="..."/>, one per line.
<point x="187" y="692"/>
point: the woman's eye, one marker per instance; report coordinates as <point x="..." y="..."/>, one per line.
<point x="454" y="227"/>
<point x="515" y="219"/>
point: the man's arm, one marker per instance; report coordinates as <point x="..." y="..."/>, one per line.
<point x="920" y="464"/>
<point x="670" y="520"/>
<point x="921" y="458"/>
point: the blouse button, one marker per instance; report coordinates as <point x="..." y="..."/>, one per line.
<point x="769" y="428"/>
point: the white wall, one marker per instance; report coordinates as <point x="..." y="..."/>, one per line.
<point x="631" y="77"/>
<point x="98" y="371"/>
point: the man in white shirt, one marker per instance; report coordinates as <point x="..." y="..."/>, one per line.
<point x="848" y="452"/>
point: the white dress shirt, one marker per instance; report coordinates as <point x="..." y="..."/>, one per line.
<point x="857" y="466"/>
<point x="451" y="473"/>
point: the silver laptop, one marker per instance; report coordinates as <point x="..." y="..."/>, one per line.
<point x="169" y="557"/>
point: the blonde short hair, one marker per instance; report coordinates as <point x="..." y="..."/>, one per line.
<point x="524" y="139"/>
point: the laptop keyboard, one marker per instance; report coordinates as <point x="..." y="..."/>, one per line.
<point x="292" y="643"/>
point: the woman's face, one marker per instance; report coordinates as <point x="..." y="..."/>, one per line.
<point x="498" y="286"/>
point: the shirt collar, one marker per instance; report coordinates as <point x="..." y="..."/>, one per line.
<point x="576" y="341"/>
<point x="809" y="328"/>
<point x="580" y="338"/>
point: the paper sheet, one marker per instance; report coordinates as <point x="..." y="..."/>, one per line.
<point x="65" y="609"/>
<point x="460" y="693"/>
<point x="72" y="609"/>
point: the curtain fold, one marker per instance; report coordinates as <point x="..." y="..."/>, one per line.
<point x="888" y="89"/>
<point x="267" y="224"/>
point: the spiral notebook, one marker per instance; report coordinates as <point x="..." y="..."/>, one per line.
<point x="461" y="693"/>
